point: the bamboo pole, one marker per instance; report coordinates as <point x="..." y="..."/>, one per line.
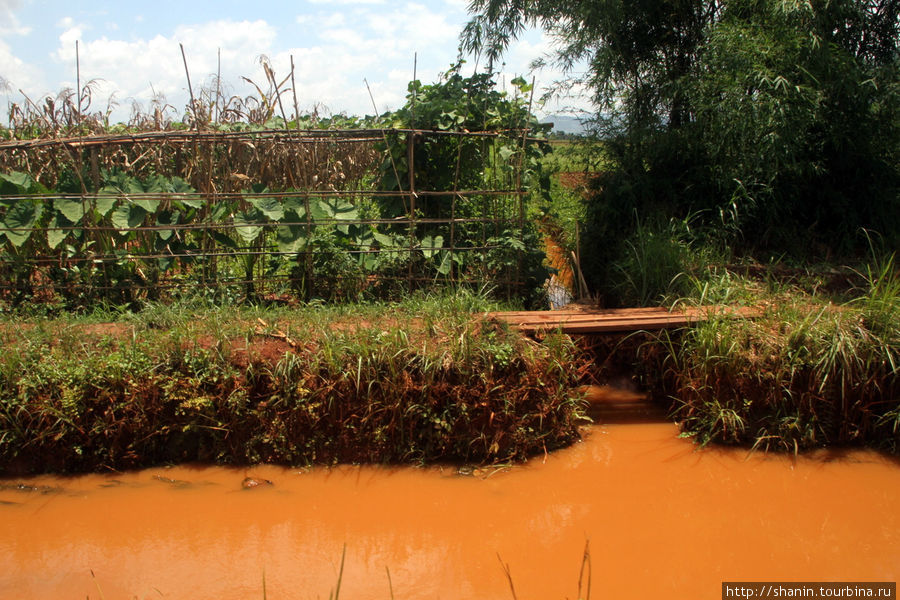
<point x="190" y="88"/>
<point x="77" y="86"/>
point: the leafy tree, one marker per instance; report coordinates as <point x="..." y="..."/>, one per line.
<point x="797" y="120"/>
<point x="775" y="123"/>
<point x="637" y="51"/>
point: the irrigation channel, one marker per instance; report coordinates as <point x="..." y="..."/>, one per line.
<point x="662" y="518"/>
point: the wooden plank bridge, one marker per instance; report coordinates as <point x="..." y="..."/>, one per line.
<point x="587" y="319"/>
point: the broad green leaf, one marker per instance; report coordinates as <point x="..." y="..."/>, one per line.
<point x="104" y="203"/>
<point x="296" y="205"/>
<point x="55" y="236"/>
<point x="369" y="262"/>
<point x="128" y="216"/>
<point x="506" y="152"/>
<point x="15" y="182"/>
<point x="431" y="245"/>
<point x="520" y="83"/>
<point x="148" y="204"/>
<point x="333" y="208"/>
<point x="224" y="240"/>
<point x="319" y="210"/>
<point x="21" y="217"/>
<point x="163" y="219"/>
<point x="384" y="240"/>
<point x="291" y="238"/>
<point x="71" y="208"/>
<point x="121" y="183"/>
<point x="177" y="185"/>
<point x="180" y="186"/>
<point x="247" y="225"/>
<point x="218" y="212"/>
<point x="191" y="202"/>
<point x="17" y="178"/>
<point x="165" y="263"/>
<point x="156" y="184"/>
<point x="444" y="267"/>
<point x="269" y="206"/>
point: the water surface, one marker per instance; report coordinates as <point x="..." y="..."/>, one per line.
<point x="663" y="520"/>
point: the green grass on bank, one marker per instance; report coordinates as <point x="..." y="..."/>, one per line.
<point x="419" y="381"/>
<point x="809" y="372"/>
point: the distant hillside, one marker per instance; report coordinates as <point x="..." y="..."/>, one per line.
<point x="565" y="124"/>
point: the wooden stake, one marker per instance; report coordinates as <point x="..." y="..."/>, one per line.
<point x="77" y="85"/>
<point x="218" y="82"/>
<point x="294" y="92"/>
<point x="190" y="89"/>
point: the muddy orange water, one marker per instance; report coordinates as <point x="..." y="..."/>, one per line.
<point x="663" y="520"/>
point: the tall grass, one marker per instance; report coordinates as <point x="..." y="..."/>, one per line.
<point x="420" y="381"/>
<point x="807" y="373"/>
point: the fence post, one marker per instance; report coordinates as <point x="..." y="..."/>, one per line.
<point x="411" y="168"/>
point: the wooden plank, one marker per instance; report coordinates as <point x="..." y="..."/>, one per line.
<point x="591" y="320"/>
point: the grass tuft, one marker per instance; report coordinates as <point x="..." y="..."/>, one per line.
<point x="807" y="373"/>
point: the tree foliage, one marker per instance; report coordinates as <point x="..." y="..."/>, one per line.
<point x="774" y="122"/>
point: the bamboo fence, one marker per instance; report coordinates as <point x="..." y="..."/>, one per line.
<point x="447" y="232"/>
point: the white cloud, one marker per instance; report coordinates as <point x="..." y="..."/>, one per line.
<point x="9" y="23"/>
<point x="16" y="73"/>
<point x="335" y="49"/>
<point x="333" y="20"/>
<point x="377" y="45"/>
<point x="128" y="68"/>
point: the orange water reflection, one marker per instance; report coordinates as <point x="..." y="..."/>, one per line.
<point x="663" y="520"/>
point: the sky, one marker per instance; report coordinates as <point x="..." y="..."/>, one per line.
<point x="131" y="50"/>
